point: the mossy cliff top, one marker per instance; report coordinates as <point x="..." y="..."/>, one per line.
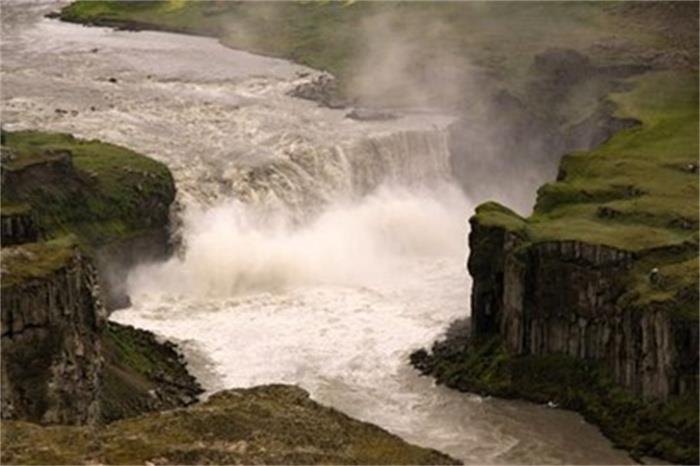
<point x="638" y="192"/>
<point x="274" y="424"/>
<point x="35" y="260"/>
<point x="96" y="191"/>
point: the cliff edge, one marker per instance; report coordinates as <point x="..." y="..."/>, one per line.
<point x="591" y="303"/>
<point x="64" y="202"/>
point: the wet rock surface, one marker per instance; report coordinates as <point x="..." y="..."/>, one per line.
<point x="322" y="89"/>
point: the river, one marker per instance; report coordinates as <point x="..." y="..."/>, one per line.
<point x="317" y="250"/>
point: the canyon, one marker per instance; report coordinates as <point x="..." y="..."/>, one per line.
<point x="318" y="242"/>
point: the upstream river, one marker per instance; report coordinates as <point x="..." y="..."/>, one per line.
<point x="316" y="250"/>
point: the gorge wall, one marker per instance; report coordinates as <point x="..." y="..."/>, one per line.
<point x="564" y="297"/>
<point x="76" y="216"/>
<point x="591" y="302"/>
<point x="51" y="346"/>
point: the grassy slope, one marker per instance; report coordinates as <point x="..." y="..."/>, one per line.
<point x="263" y="425"/>
<point x="337" y="36"/>
<point x="635" y="192"/>
<point x="36" y="260"/>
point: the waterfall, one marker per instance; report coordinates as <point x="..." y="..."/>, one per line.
<point x="336" y="214"/>
<point x="302" y="178"/>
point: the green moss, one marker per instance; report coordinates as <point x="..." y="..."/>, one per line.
<point x="644" y="427"/>
<point x="136" y="366"/>
<point x="97" y="191"/>
<point x="27" y="443"/>
<point x="15" y="209"/>
<point x="492" y="214"/>
<point x="36" y="260"/>
<point x="640" y="176"/>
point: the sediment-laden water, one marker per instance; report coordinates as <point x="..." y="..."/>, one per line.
<point x="317" y="250"/>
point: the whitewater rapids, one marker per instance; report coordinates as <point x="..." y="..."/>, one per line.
<point x="316" y="250"/>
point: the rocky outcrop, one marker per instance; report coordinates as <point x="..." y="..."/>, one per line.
<point x="53" y="166"/>
<point x="322" y="89"/>
<point x="116" y="201"/>
<point x="51" y="347"/>
<point x="115" y="259"/>
<point x="369" y="114"/>
<point x="18" y="228"/>
<point x="563" y="297"/>
<point x="61" y="362"/>
<point x="142" y="374"/>
<point x="272" y="424"/>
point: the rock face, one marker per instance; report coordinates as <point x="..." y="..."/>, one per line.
<point x="115" y="259"/>
<point x="51" y="349"/>
<point x="563" y="297"/>
<point x="18" y="228"/>
<point x="78" y="213"/>
<point x="322" y="89"/>
<point x="142" y="374"/>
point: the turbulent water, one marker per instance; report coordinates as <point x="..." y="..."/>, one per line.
<point x="317" y="250"/>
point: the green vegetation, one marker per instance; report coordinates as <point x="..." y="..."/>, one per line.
<point x="87" y="195"/>
<point x="645" y="428"/>
<point x="501" y="37"/>
<point x="637" y="192"/>
<point x="493" y="214"/>
<point x="273" y="424"/>
<point x="640" y="176"/>
<point x="97" y="191"/>
<point x="36" y="260"/>
<point x="137" y="367"/>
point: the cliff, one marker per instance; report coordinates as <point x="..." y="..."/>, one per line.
<point x="116" y="202"/>
<point x="274" y="424"/>
<point x="17" y="225"/>
<point x="51" y="323"/>
<point x="69" y="204"/>
<point x="592" y="302"/>
<point x="567" y="297"/>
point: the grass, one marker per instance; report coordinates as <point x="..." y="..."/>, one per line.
<point x="501" y="37"/>
<point x="136" y="366"/>
<point x="36" y="260"/>
<point x="635" y="193"/>
<point x="273" y="424"/>
<point x="99" y="192"/>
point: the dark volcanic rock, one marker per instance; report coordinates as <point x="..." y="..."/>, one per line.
<point x="51" y="346"/>
<point x="322" y="89"/>
<point x="368" y="114"/>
